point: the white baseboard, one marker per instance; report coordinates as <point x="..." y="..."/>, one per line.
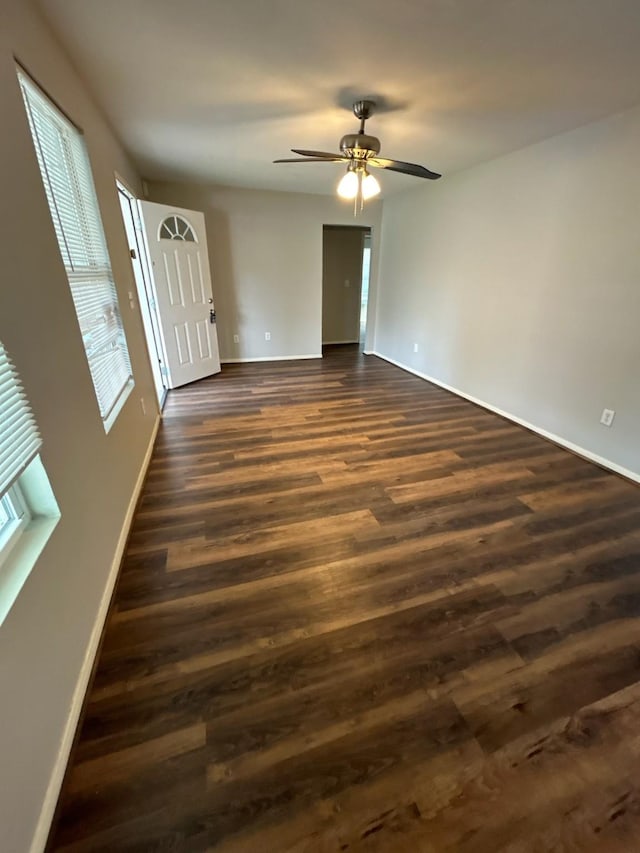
<point x="270" y="358"/>
<point x="59" y="768"/>
<point x="557" y="439"/>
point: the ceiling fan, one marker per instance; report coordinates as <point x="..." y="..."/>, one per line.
<point x="360" y="151"/>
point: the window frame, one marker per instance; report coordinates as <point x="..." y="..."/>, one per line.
<point x="29" y="512"/>
<point x="17" y="518"/>
<point x="20" y="553"/>
<point x="69" y="184"/>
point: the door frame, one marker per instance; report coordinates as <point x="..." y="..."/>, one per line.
<point x="141" y="273"/>
<point x="364" y="231"/>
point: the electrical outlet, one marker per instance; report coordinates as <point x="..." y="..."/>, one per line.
<point x="142" y="406"/>
<point x="415" y="347"/>
<point x="267" y="336"/>
<point x="347" y="282"/>
<point x="607" y="417"/>
<point x="236" y="339"/>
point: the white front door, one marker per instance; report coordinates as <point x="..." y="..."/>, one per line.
<point x="177" y="245"/>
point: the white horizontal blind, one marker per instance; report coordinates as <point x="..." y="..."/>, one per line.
<point x="71" y="194"/>
<point x="19" y="437"/>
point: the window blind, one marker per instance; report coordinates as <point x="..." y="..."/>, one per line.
<point x="19" y="437"/>
<point x="68" y="182"/>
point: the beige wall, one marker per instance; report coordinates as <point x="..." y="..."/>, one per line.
<point x="519" y="281"/>
<point x="47" y="634"/>
<point x="265" y="250"/>
<point x="341" y="284"/>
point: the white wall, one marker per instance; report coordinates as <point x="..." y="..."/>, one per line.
<point x="265" y="250"/>
<point x="342" y="249"/>
<point x="520" y="282"/>
<point x="47" y="634"/>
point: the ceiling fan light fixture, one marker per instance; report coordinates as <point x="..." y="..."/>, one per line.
<point x="348" y="186"/>
<point x="370" y="186"/>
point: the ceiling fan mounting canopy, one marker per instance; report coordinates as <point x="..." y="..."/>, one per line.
<point x="364" y="109"/>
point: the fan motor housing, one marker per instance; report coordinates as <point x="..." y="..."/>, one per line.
<point x="360" y="146"/>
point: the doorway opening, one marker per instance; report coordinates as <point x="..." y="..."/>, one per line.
<point x="346" y="259"/>
<point x="364" y="288"/>
<point x="141" y="274"/>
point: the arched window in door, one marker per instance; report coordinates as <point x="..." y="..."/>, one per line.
<point x="177" y="228"/>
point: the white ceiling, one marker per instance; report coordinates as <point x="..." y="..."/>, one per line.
<point x="215" y="90"/>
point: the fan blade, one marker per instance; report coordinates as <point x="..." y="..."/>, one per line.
<point x="307" y="160"/>
<point x="405" y="168"/>
<point x="324" y="155"/>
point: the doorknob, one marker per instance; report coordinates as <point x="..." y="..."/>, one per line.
<point x="210" y="301"/>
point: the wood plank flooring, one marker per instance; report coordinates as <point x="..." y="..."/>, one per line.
<point x="359" y="614"/>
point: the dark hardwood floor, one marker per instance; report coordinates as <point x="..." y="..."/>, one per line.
<point x="360" y="614"/>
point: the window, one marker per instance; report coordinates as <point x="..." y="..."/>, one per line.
<point x="177" y="228"/>
<point x="68" y="182"/>
<point x="14" y="517"/>
<point x="28" y="509"/>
